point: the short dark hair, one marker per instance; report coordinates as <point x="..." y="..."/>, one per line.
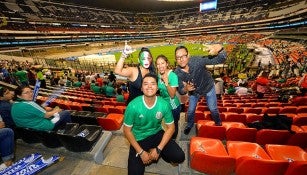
<point x="153" y="75"/>
<point x="181" y="47"/>
<point x="3" y="90"/>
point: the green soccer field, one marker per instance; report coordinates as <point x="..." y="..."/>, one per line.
<point x="167" y="50"/>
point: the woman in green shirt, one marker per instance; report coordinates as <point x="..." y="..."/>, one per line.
<point x="168" y="84"/>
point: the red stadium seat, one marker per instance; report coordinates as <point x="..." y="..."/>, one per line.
<point x="270" y="136"/>
<point x="298" y="139"/>
<point x="111" y="122"/>
<point x="209" y="156"/>
<point x="297" y="168"/>
<point x="236" y="118"/>
<point x="253" y="110"/>
<point x="287" y="153"/>
<point x="207" y="129"/>
<point x="241" y="134"/>
<point x="252" y="159"/>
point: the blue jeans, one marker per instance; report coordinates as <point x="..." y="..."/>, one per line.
<point x="6" y="144"/>
<point x="211" y="103"/>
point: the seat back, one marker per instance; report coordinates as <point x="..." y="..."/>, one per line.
<point x="80" y="139"/>
<point x="298" y="139"/>
<point x="254" y="166"/>
<point x="241" y="134"/>
<point x="209" y="156"/>
<point x="210" y="131"/>
<point x="270" y="136"/>
<point x="297" y="168"/>
<point x="286" y="152"/>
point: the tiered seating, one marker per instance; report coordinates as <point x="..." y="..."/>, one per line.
<point x="246" y="145"/>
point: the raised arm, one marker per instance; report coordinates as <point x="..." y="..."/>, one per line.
<point x="119" y="68"/>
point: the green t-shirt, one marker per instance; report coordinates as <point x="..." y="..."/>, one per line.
<point x="120" y="98"/>
<point x="28" y="114"/>
<point x="146" y="121"/>
<point x="110" y="91"/>
<point x="77" y="84"/>
<point x="96" y="89"/>
<point x="173" y="82"/>
<point x="22" y="76"/>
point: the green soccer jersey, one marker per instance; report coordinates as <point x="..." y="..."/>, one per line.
<point x="146" y="121"/>
<point x="28" y="114"/>
<point x="173" y="82"/>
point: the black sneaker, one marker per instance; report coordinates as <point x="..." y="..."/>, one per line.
<point x="187" y="130"/>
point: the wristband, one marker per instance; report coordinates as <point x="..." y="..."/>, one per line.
<point x="139" y="154"/>
<point x="158" y="150"/>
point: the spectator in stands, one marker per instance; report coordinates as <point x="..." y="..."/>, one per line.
<point x="262" y="84"/>
<point x="168" y="84"/>
<point x="22" y="76"/>
<point x="99" y="80"/>
<point x="143" y="129"/>
<point x="6" y="146"/>
<point x="302" y="84"/>
<point x="196" y="80"/>
<point x="241" y="89"/>
<point x="135" y="74"/>
<point x="32" y="76"/>
<point x="68" y="82"/>
<point x="41" y="77"/>
<point x="119" y="95"/>
<point x="29" y="114"/>
<point x="219" y="87"/>
<point x="112" y="77"/>
<point x="95" y="87"/>
<point x="110" y="91"/>
<point x="6" y="97"/>
<point x="78" y="83"/>
<point x="230" y="89"/>
<point x="62" y="81"/>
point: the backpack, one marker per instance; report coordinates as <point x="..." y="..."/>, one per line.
<point x="278" y="122"/>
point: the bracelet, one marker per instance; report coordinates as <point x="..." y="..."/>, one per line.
<point x="139" y="154"/>
<point x="158" y="150"/>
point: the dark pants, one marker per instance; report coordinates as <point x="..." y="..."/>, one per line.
<point x="176" y="115"/>
<point x="171" y="153"/>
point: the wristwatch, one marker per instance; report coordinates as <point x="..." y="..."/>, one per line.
<point x="158" y="150"/>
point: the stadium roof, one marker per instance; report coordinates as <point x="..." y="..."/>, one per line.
<point x="136" y="5"/>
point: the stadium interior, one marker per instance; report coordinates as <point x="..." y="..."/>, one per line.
<point x="73" y="37"/>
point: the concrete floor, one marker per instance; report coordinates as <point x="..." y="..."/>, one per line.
<point x="115" y="158"/>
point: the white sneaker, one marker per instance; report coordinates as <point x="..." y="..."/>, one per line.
<point x="2" y="166"/>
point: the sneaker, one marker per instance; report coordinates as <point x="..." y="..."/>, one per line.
<point x="2" y="166"/>
<point x="187" y="130"/>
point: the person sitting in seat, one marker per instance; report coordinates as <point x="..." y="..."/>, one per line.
<point x="6" y="97"/>
<point x="6" y="146"/>
<point x="28" y="114"/>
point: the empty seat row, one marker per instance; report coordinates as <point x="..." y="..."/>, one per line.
<point x="110" y="121"/>
<point x="74" y="137"/>
<point x="237" y="131"/>
<point x="297" y="119"/>
<point x="210" y="156"/>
